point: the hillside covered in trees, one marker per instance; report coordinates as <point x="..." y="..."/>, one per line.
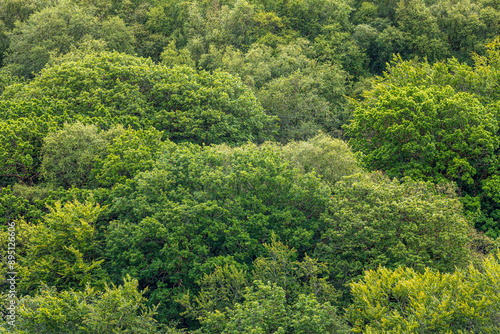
<point x="249" y="166"/>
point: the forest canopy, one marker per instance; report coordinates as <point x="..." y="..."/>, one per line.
<point x="249" y="166"/>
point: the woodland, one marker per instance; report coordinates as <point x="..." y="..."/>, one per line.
<point x="249" y="166"/>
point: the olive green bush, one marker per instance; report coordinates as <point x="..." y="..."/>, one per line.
<point x="70" y="153"/>
<point x="374" y="221"/>
<point x="329" y="157"/>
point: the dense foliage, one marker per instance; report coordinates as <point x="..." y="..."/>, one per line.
<point x="249" y="166"/>
<point x="405" y="301"/>
<point x="440" y="123"/>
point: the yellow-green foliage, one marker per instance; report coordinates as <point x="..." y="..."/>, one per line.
<point x="404" y="301"/>
<point x="60" y="250"/>
<point x="116" y="309"/>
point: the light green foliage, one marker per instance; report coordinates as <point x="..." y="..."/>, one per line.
<point x="84" y="156"/>
<point x="278" y="265"/>
<point x="297" y="104"/>
<point x="261" y="64"/>
<point x="262" y="312"/>
<point x="4" y="44"/>
<point x="86" y="46"/>
<point x="44" y="254"/>
<point x="56" y="29"/>
<point x="405" y="301"/>
<point x="329" y="157"/>
<point x="306" y="96"/>
<point x="117" y="309"/>
<point x="6" y="79"/>
<point x="201" y="25"/>
<point x="269" y="29"/>
<point x="172" y="57"/>
<point x="374" y="221"/>
<point x="111" y="88"/>
<point x="70" y="153"/>
<point x="107" y="89"/>
<point x="251" y="239"/>
<point x="265" y="310"/>
<point x="201" y="203"/>
<point x="294" y="298"/>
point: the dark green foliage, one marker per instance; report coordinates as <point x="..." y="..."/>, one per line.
<point x="116" y="309"/>
<point x="20" y="142"/>
<point x="432" y="30"/>
<point x="151" y="147"/>
<point x="302" y="111"/>
<point x="12" y="11"/>
<point x="198" y="204"/>
<point x="265" y="310"/>
<point x="437" y="122"/>
<point x="55" y="30"/>
<point x="295" y="297"/>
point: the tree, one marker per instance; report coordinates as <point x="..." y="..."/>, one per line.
<point x="436" y="122"/>
<point x="43" y="254"/>
<point x="129" y="153"/>
<point x="264" y="311"/>
<point x="21" y="141"/>
<point x="110" y="89"/>
<point x="55" y="30"/>
<point x="70" y="153"/>
<point x="406" y="301"/>
<point x="330" y="158"/>
<point x="116" y="309"/>
<point x="296" y="101"/>
<point x="295" y="298"/>
<point x="107" y="89"/>
<point x="373" y="221"/>
<point x="198" y="204"/>
<point x="414" y="131"/>
<point x="84" y="156"/>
